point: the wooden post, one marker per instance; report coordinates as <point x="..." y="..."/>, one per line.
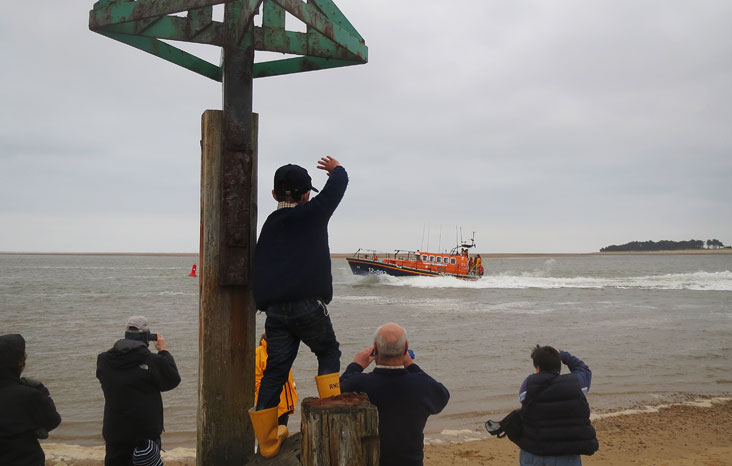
<point x="340" y="431"/>
<point x="226" y="318"/>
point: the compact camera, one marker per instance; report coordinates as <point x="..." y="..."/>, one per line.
<point x="492" y="426"/>
<point x="141" y="336"/>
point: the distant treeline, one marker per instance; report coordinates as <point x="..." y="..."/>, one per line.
<point x="665" y="245"/>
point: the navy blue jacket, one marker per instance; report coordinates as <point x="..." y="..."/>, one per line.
<point x="292" y="257"/>
<point x="555" y="413"/>
<point x="405" y="399"/>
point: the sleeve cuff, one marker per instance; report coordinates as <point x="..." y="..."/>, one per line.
<point x="354" y="367"/>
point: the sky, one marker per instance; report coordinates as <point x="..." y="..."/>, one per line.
<point x="561" y="126"/>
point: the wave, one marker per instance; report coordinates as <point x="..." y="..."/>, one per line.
<point x="696" y="281"/>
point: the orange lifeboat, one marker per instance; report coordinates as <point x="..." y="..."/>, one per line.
<point x="457" y="263"/>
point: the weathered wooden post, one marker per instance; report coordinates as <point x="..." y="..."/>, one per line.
<point x="340" y="431"/>
<point x="228" y="177"/>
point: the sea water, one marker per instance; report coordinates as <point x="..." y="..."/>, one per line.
<point x="652" y="328"/>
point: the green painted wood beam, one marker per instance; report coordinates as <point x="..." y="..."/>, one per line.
<point x="298" y="65"/>
<point x="199" y="19"/>
<point x="173" y="28"/>
<point x="311" y="16"/>
<point x="331" y="11"/>
<point x="331" y="40"/>
<point x="168" y="52"/>
<point x="131" y="11"/>
<point x="298" y="43"/>
<point x="249" y="8"/>
<point x="273" y="16"/>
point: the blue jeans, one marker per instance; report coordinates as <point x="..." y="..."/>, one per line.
<point x="287" y="324"/>
<point x="530" y="459"/>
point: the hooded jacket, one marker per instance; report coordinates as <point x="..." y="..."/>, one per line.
<point x="28" y="412"/>
<point x="132" y="378"/>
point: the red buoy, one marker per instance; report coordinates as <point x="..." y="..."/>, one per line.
<point x="193" y="271"/>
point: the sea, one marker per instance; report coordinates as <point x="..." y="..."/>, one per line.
<point x="652" y="328"/>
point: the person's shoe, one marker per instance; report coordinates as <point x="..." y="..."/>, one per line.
<point x="328" y="385"/>
<point x="269" y="435"/>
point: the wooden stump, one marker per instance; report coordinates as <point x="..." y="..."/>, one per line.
<point x="340" y="431"/>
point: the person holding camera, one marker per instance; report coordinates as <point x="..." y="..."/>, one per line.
<point x="403" y="393"/>
<point x="27" y="412"/>
<point x="555" y="414"/>
<point x="132" y="379"/>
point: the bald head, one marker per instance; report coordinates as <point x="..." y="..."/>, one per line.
<point x="390" y="344"/>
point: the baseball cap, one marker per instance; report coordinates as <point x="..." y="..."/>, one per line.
<point x="292" y="179"/>
<point x="137" y="324"/>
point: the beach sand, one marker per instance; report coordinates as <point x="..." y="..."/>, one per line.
<point x="694" y="433"/>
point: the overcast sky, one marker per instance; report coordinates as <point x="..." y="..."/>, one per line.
<point x="561" y="126"/>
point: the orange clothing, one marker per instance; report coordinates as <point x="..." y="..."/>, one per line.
<point x="288" y="397"/>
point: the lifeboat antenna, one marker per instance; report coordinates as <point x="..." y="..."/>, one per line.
<point x="421" y="246"/>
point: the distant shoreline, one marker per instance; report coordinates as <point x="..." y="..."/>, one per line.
<point x="340" y="255"/>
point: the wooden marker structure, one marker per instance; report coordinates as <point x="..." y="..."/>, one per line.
<point x="229" y="172"/>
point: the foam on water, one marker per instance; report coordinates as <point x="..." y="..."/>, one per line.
<point x="697" y="281"/>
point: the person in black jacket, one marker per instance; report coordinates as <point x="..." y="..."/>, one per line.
<point x="27" y="412"/>
<point x="132" y="378"/>
<point x="402" y="392"/>
<point x="555" y="414"/>
<point x="293" y="285"/>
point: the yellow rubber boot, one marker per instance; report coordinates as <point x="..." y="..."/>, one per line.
<point x="269" y="435"/>
<point x="328" y="385"/>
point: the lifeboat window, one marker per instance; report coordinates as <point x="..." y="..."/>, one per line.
<point x="432" y="258"/>
<point x="447" y="260"/>
<point x="452" y="260"/>
<point x="424" y="258"/>
<point x="438" y="259"/>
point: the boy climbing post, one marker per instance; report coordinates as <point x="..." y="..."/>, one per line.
<point x="293" y="285"/>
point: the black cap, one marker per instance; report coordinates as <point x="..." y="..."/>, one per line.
<point x="292" y="180"/>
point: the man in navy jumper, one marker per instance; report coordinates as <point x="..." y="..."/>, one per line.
<point x="292" y="285"/>
<point x="402" y="392"/>
<point x="556" y="426"/>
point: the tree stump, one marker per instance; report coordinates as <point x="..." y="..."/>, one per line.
<point x="340" y="431"/>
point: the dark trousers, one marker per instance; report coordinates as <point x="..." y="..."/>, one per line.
<point x="287" y="324"/>
<point x="119" y="454"/>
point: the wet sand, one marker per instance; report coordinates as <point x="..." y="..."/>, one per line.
<point x="693" y="433"/>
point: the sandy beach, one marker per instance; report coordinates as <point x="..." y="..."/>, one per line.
<point x="691" y="433"/>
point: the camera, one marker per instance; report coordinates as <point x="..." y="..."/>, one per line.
<point x="492" y="427"/>
<point x="141" y="336"/>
